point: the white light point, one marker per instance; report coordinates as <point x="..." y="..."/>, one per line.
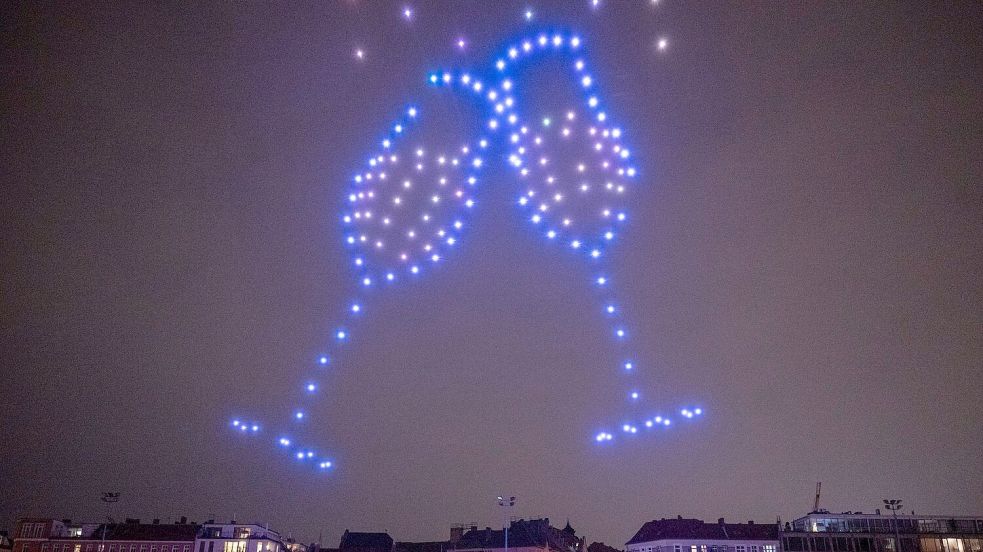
<point x="408" y="13"/>
<point x="528" y="15"/>
<point x="662" y="44"/>
<point x="359" y="54"/>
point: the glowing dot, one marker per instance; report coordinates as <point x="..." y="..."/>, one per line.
<point x="461" y="43"/>
<point x="595" y="253"/>
<point x="551" y="234"/>
<point x="528" y="15"/>
<point x="311" y="387"/>
<point x="325" y="465"/>
<point x="390" y="276"/>
<point x="500" y="64"/>
<point x="285" y="442"/>
<point x="586" y="81"/>
<point x="411" y="112"/>
<point x="575" y="244"/>
<point x="666" y="422"/>
<point x="601" y="280"/>
<point x="359" y="53"/>
<point x="407" y="13"/>
<point x="610" y="309"/>
<point x="415" y="269"/>
<point x="662" y="44"/>
<point x="608" y="235"/>
<point x="628" y="366"/>
<point x="648" y="423"/>
<point x="323" y="360"/>
<point x="366" y="281"/>
<point x="698" y="411"/>
<point x="300" y="455"/>
<point x="634" y="395"/>
<point x="235" y="423"/>
<point x="341" y="335"/>
<point x="620" y="332"/>
<point x="356" y="307"/>
<point x="299" y="415"/>
<point x="626" y="428"/>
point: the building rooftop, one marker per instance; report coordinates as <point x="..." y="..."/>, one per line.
<point x="695" y="529"/>
<point x="144" y="532"/>
<point x="522" y="533"/>
<point x="352" y="539"/>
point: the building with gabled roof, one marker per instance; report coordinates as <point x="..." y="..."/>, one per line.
<point x="694" y="535"/>
<point x="534" y="535"/>
<point x="353" y="541"/>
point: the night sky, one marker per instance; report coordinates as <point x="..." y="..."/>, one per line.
<point x="803" y="261"/>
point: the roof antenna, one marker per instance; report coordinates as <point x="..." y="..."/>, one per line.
<point x="819" y="487"/>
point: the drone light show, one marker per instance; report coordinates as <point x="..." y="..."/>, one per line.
<point x="408" y="210"/>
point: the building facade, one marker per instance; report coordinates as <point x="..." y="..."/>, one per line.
<point x="51" y="535"/>
<point x="857" y="532"/>
<point x="534" y="535"/>
<point x="694" y="535"/>
<point x="238" y="537"/>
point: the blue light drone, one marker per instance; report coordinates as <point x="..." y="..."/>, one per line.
<point x="407" y="209"/>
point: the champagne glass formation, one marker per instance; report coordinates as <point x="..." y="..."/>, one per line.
<point x="408" y="208"/>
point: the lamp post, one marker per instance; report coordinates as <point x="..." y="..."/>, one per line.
<point x="109" y="499"/>
<point x="506" y="503"/>
<point x="894" y="505"/>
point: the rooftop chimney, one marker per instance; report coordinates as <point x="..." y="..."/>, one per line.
<point x="720" y="521"/>
<point x="750" y="522"/>
<point x="156" y="521"/>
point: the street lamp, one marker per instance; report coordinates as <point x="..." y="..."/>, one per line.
<point x="894" y="505"/>
<point x="109" y="499"/>
<point x="506" y="503"/>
